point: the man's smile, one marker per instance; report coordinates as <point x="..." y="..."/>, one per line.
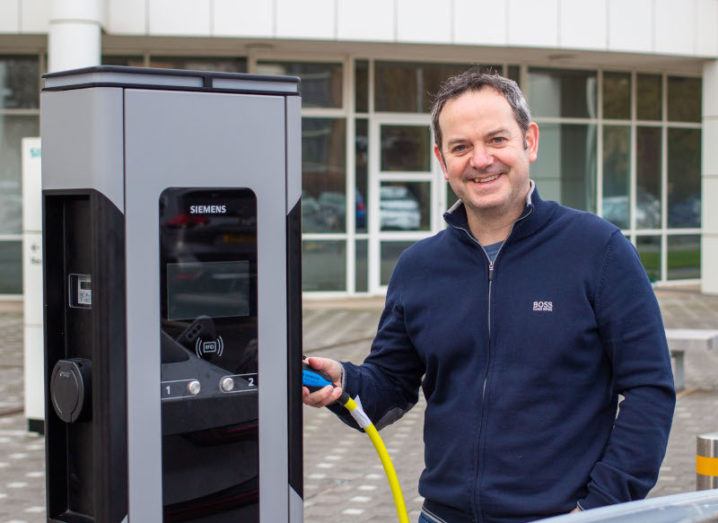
<point x="486" y="179"/>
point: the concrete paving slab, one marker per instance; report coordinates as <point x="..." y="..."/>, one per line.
<point x="343" y="478"/>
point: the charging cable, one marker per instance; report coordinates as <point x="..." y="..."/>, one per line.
<point x="315" y="380"/>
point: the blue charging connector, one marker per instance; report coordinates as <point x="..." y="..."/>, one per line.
<point x="314" y="379"/>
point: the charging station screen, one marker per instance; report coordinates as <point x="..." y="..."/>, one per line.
<point x="215" y="289"/>
<point x="209" y="348"/>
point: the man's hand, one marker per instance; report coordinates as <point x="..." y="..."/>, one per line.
<point x="327" y="395"/>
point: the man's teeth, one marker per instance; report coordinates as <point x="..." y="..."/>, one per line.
<point x="486" y="180"/>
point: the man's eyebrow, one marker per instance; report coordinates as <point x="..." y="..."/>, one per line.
<point x="501" y="130"/>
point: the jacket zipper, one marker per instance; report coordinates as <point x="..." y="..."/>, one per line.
<point x="492" y="265"/>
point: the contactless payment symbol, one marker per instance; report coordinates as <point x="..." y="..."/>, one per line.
<point x="205" y="347"/>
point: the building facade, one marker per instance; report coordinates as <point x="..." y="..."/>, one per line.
<point x="625" y="94"/>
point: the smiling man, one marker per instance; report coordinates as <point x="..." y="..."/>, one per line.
<point x="485" y="156"/>
<point x="523" y="323"/>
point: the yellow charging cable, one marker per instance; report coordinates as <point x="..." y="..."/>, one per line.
<point x="365" y="423"/>
<point x="315" y="380"/>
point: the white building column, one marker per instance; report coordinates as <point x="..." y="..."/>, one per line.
<point x="75" y="36"/>
<point x="709" y="243"/>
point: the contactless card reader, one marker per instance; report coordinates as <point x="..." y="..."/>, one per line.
<point x="172" y="296"/>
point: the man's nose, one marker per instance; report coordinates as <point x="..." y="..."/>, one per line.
<point x="481" y="157"/>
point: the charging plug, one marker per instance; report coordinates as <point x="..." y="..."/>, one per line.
<point x="314" y="379"/>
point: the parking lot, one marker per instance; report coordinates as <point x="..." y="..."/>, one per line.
<point x="343" y="479"/>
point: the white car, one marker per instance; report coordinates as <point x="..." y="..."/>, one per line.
<point x="398" y="209"/>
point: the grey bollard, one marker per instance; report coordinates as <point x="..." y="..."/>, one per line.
<point x="707" y="461"/>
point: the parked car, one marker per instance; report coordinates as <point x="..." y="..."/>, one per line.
<point x="398" y="209"/>
<point x="327" y="212"/>
<point x="689" y="507"/>
<point x="648" y="210"/>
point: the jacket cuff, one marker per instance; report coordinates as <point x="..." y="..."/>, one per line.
<point x="350" y="378"/>
<point x="594" y="499"/>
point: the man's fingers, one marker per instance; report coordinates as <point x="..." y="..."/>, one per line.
<point x="317" y="363"/>
<point x="326" y="365"/>
<point x="322" y="397"/>
<point x="318" y="398"/>
<point x="336" y="393"/>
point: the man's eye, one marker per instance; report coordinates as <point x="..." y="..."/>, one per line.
<point x="458" y="148"/>
<point x="498" y="139"/>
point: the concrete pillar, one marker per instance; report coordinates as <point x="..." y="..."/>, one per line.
<point x="75" y="36"/>
<point x="709" y="243"/>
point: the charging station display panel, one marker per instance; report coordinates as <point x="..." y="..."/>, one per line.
<point x="208" y="275"/>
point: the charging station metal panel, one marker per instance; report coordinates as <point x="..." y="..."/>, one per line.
<point x="86" y="146"/>
<point x="294" y="153"/>
<point x="181" y="139"/>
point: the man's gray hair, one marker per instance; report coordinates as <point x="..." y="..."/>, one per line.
<point x="475" y="80"/>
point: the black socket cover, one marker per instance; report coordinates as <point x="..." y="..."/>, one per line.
<point x="70" y="389"/>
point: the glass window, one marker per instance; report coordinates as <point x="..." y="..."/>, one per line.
<point x="451" y="197"/>
<point x="19" y="82"/>
<point x="616" y="174"/>
<point x="405" y="148"/>
<point x="130" y="61"/>
<point x="409" y="87"/>
<point x="684" y="257"/>
<point x="617" y="95"/>
<point x="321" y="82"/>
<point x="684" y="99"/>
<point x="361" y="170"/>
<point x="562" y="92"/>
<point x="324" y="174"/>
<point x="404" y="206"/>
<point x="648" y="177"/>
<point x="12" y="130"/>
<point x="200" y="63"/>
<point x="684" y="178"/>
<point x="649" y="250"/>
<point x="649" y="105"/>
<point x="324" y="265"/>
<point x="566" y="168"/>
<point x="10" y="267"/>
<point x="361" y="86"/>
<point x="390" y="252"/>
<point x="514" y="73"/>
<point x="361" y="266"/>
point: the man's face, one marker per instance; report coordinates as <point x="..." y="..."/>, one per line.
<point x="486" y="157"/>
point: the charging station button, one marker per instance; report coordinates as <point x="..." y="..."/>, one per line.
<point x="238" y="383"/>
<point x="177" y="389"/>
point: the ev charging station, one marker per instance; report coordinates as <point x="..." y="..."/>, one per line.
<point x="172" y="296"/>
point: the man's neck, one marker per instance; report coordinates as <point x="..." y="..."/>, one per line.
<point x="494" y="225"/>
<point x="489" y="229"/>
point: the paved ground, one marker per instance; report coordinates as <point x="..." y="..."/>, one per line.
<point x="343" y="478"/>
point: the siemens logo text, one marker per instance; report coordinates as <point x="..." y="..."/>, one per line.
<point x="208" y="209"/>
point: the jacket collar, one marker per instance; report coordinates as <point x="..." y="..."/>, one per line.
<point x="536" y="213"/>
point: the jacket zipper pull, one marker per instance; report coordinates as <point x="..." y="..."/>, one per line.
<point x="491" y="271"/>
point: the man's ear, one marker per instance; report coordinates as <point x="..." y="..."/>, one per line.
<point x="531" y="141"/>
<point x="440" y="159"/>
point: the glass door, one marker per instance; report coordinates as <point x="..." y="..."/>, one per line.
<point x="405" y="186"/>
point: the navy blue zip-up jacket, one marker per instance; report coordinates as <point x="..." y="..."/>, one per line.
<point x="522" y="363"/>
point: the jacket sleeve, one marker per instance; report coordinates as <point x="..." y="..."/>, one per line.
<point x="631" y="329"/>
<point x="388" y="381"/>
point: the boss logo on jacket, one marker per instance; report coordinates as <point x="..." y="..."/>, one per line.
<point x="543" y="306"/>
